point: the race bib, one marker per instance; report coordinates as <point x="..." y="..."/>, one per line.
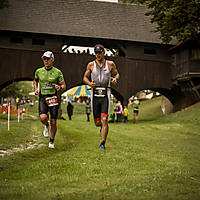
<point x="52" y="101"/>
<point x="100" y="92"/>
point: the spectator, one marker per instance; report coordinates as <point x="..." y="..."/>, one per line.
<point x="70" y="108"/>
<point x="88" y="109"/>
<point x="112" y="118"/>
<point x="119" y="111"/>
<point x="136" y="104"/>
<point x="17" y="102"/>
<point x="125" y="114"/>
<point x="31" y="103"/>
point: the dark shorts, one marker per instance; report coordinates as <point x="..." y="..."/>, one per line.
<point x="44" y="108"/>
<point x="136" y="112"/>
<point x="100" y="107"/>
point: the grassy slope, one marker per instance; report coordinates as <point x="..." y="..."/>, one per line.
<point x="155" y="158"/>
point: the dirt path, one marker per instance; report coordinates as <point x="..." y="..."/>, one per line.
<point x="20" y="149"/>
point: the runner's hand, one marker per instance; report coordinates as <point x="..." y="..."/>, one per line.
<point x="113" y="80"/>
<point x="36" y="91"/>
<point x="58" y="87"/>
<point x="92" y="84"/>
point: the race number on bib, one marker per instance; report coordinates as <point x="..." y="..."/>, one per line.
<point x="52" y="101"/>
<point x="100" y="92"/>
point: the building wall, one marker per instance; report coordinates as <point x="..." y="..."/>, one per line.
<point x="148" y="51"/>
<point x="17" y="40"/>
<point x="134" y="75"/>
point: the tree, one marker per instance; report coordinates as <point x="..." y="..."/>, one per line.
<point x="178" y="19"/>
<point x="17" y="89"/>
<point x="4" y="4"/>
<point x="11" y="90"/>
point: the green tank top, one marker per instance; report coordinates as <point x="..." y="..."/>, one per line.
<point x="47" y="78"/>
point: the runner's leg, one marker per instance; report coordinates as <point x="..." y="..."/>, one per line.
<point x="43" y="110"/>
<point x="96" y="108"/>
<point x="44" y="118"/>
<point x="53" y="128"/>
<point x="105" y="108"/>
<point x="54" y="115"/>
<point x="104" y="130"/>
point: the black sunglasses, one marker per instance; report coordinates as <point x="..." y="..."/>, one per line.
<point x="45" y="58"/>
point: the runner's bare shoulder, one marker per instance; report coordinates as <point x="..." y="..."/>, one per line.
<point x="90" y="66"/>
<point x="111" y="64"/>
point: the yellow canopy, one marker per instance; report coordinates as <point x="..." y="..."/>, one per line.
<point x="82" y="90"/>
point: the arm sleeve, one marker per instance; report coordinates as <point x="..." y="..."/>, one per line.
<point x="36" y="77"/>
<point x="60" y="77"/>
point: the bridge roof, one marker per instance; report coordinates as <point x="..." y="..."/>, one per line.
<point x="82" y="18"/>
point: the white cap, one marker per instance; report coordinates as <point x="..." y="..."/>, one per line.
<point x="48" y="54"/>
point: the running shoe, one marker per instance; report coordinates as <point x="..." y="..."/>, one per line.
<point x="51" y="145"/>
<point x="102" y="147"/>
<point x="46" y="131"/>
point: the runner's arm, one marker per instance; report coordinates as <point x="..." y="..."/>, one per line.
<point x="114" y="73"/>
<point x="87" y="75"/>
<point x="63" y="85"/>
<point x="60" y="86"/>
<point x="36" y="81"/>
<point x="35" y="84"/>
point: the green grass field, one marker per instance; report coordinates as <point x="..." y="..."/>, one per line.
<point x="155" y="158"/>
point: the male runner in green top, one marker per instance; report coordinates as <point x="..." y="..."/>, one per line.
<point x="47" y="82"/>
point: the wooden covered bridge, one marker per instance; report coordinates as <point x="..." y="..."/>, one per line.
<point x="28" y="28"/>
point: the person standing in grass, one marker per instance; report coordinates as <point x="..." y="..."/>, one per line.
<point x="125" y="114"/>
<point x="88" y="109"/>
<point x="136" y="104"/>
<point x="47" y="82"/>
<point x="119" y="111"/>
<point x="70" y="108"/>
<point x="103" y="72"/>
<point x="112" y="118"/>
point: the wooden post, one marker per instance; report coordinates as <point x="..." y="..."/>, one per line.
<point x="8" y="116"/>
<point x="18" y="114"/>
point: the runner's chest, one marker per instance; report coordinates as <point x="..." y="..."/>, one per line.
<point x="48" y="76"/>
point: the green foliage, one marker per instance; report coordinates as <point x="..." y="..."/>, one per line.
<point x="17" y="89"/>
<point x="178" y="19"/>
<point x="11" y="90"/>
<point x="4" y="4"/>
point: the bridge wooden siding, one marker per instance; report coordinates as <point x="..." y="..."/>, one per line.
<point x="22" y="42"/>
<point x="135" y="75"/>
